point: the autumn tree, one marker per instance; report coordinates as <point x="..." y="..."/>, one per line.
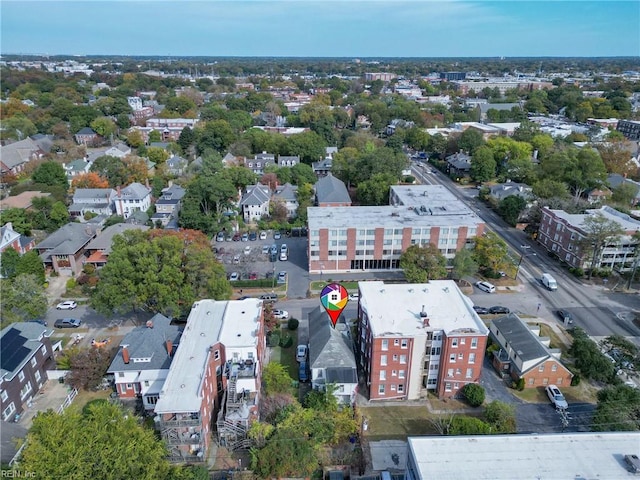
<point x="89" y="180"/>
<point x="87" y="367"/>
<point x="423" y="263"/>
<point x="491" y="252"/>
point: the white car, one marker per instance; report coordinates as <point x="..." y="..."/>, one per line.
<point x="282" y="277"/>
<point x="556" y="397"/>
<point x="236" y="259"/>
<point x="234" y="276"/>
<point x="265" y="249"/>
<point x="67" y="305"/>
<point x="486" y="287"/>
<point x="263" y="235"/>
<point x="283" y="248"/>
<point x="247" y="250"/>
<point x="281" y="314"/>
<point x="301" y="353"/>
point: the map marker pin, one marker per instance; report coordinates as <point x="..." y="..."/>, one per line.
<point x="334" y="298"/>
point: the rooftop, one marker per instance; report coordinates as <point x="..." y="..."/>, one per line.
<point x="577" y="220"/>
<point x="331" y="189"/>
<point x="22" y="200"/>
<point x="328" y="347"/>
<point x="19" y="341"/>
<point x="568" y="456"/>
<point x="520" y="337"/>
<point x="394" y="309"/>
<point x="105" y="239"/>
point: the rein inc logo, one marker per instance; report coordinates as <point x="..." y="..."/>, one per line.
<point x="17" y="474"/>
<point x="334" y="298"/>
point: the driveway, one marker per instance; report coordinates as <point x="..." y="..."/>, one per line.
<point x="495" y="387"/>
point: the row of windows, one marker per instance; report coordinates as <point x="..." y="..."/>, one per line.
<point x="402" y="343"/>
<point x="460" y="358"/>
<point x="415" y="232"/>
<point x="462" y="341"/>
<point x="382" y="388"/>
<point x="394" y="373"/>
<point x="396" y="358"/>
<point x="457" y="372"/>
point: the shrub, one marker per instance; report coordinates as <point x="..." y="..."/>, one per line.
<point x="520" y="384"/>
<point x="71" y="284"/>
<point x="577" y="271"/>
<point x="575" y="381"/>
<point x="293" y="323"/>
<point x="491" y="349"/>
<point x="89" y="268"/>
<point x="274" y="339"/>
<point x="286" y="340"/>
<point x="474" y="394"/>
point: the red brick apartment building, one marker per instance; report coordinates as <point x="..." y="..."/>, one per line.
<point x="416" y="338"/>
<point x="214" y="379"/>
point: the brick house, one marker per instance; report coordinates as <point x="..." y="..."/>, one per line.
<point x="87" y="136"/>
<point x="9" y="238"/>
<point x="524" y="354"/>
<point x="64" y="250"/>
<point x="26" y="352"/>
<point x="416" y="338"/>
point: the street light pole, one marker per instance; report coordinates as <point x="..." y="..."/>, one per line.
<point x="522" y="255"/>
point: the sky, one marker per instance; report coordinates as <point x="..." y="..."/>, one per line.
<point x="330" y="28"/>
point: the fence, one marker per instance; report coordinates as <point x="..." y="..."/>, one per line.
<point x="68" y="400"/>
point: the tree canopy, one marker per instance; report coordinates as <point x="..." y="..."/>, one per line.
<point x="423" y="263"/>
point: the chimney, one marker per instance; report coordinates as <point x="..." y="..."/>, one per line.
<point x="149" y="324"/>
<point x="424" y="317"/>
<point x="125" y="354"/>
<point x="169" y="347"/>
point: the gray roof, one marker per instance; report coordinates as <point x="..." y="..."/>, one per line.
<point x="86" y="131"/>
<point x="287" y="192"/>
<point x="105" y="239"/>
<point x="17" y="153"/>
<point x="91" y="193"/>
<point x="256" y="195"/>
<point x="285" y="161"/>
<point x="328" y="348"/>
<point x="332" y="190"/>
<point x="77" y="165"/>
<point x="174" y="192"/>
<point x="485" y="107"/>
<point x="68" y="239"/>
<point x="504" y="190"/>
<point x="615" y="180"/>
<point x="324" y="164"/>
<point x="148" y="342"/>
<point x="460" y="161"/>
<point x="45" y="142"/>
<point x="18" y="342"/>
<point x="135" y="191"/>
<point x="520" y="338"/>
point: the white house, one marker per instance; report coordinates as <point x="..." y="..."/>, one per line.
<point x="255" y="202"/>
<point x="135" y="197"/>
<point x="95" y="200"/>
<point x="287" y="194"/>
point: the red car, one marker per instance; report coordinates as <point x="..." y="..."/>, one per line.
<point x="253" y="276"/>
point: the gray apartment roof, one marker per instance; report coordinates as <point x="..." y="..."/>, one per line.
<point x="67" y="240"/>
<point x="148" y="342"/>
<point x="18" y="342"/>
<point x="628" y="223"/>
<point x="538" y="456"/>
<point x="256" y="195"/>
<point x="520" y="338"/>
<point x="105" y="239"/>
<point x="329" y="189"/>
<point x="135" y="191"/>
<point x="17" y="153"/>
<point x="91" y="193"/>
<point x="327" y="346"/>
<point x="286" y="192"/>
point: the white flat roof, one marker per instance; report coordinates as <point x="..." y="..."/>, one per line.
<point x="209" y="322"/>
<point x="394" y="309"/>
<point x="558" y="456"/>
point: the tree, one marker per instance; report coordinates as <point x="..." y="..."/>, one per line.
<point x="206" y="199"/>
<point x="104" y="126"/>
<point x="423" y="263"/>
<point x="376" y="190"/>
<point x="470" y="140"/>
<point x="309" y="146"/>
<point x="511" y="207"/>
<point x="589" y="359"/>
<point x="89" y="180"/>
<point x="30" y="264"/>
<point x="104" y="442"/>
<point x="23" y="299"/>
<point x="624" y="194"/>
<point x="474" y="394"/>
<point x="157" y="155"/>
<point x="483" y="165"/>
<point x="159" y="271"/>
<point x="50" y="173"/>
<point x="305" y="200"/>
<point x="549" y="188"/>
<point x="216" y="135"/>
<point x="111" y="168"/>
<point x="186" y="139"/>
<point x="87" y="367"/>
<point x="618" y="409"/>
<point x="616" y="158"/>
<point x="491" y="252"/>
<point x="276" y="379"/>
<point x="302" y="173"/>
<point x="599" y="232"/>
<point x="465" y="425"/>
<point x="20" y="222"/>
<point x="463" y="264"/>
<point x="9" y="264"/>
<point x="501" y="417"/>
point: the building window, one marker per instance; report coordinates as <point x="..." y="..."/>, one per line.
<point x="447" y="387"/>
<point x="129" y="386"/>
<point x="33" y="361"/>
<point x="396" y="342"/>
<point x="545" y="381"/>
<point x="474" y="342"/>
<point x="559" y="381"/>
<point x="403" y="359"/>
<point x="381" y="389"/>
<point x="435" y="350"/>
<point x="21" y="376"/>
<point x="152" y="399"/>
<point x="43" y="350"/>
<point x="554" y="367"/>
<point x="469" y="373"/>
<point x="7" y="412"/>
<point x="385" y="344"/>
<point x="456" y="386"/>
<point x="401" y="375"/>
<point x="531" y="381"/>
<point x="121" y="374"/>
<point x="393" y="387"/>
<point x="216" y="355"/>
<point x="405" y="343"/>
<point x="383" y="374"/>
<point x="461" y="356"/>
<point x="541" y="368"/>
<point x="383" y="360"/>
<point x="401" y="388"/>
<point x="394" y="373"/>
<point x="395" y="358"/>
<point x="452" y="358"/>
<point x="4" y="395"/>
<point x="25" y="390"/>
<point x="450" y="372"/>
<point x="472" y="358"/>
<point x="463" y="341"/>
<point x="454" y="342"/>
<point x="38" y="376"/>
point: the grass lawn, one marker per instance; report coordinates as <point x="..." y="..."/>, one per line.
<point x="287" y="356"/>
<point x="319" y="285"/>
<point x="85" y="396"/>
<point x="396" y="422"/>
<point x="556" y="342"/>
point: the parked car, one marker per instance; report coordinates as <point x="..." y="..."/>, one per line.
<point x="556" y="397"/>
<point x="237" y="237"/>
<point x="282" y="277"/>
<point x="481" y="310"/>
<point x="565" y="316"/>
<point x="283" y="248"/>
<point x="301" y="353"/>
<point x="247" y="250"/>
<point x="263" y="235"/>
<point x="274" y="249"/>
<point x="236" y="259"/>
<point x="67" y="305"/>
<point x="244" y="297"/>
<point x="277" y="236"/>
<point x="253" y="276"/>
<point x="269" y="297"/>
<point x="265" y="249"/>
<point x="486" y="286"/>
<point x="234" y="276"/>
<point x="354" y="296"/>
<point x="67" y="323"/>
<point x="253" y="236"/>
<point x="228" y="237"/>
<point x="245" y="237"/>
<point x="281" y="314"/>
<point x="303" y="371"/>
<point x="498" y="309"/>
<point x="220" y="237"/>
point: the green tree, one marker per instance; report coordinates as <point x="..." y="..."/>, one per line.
<point x="376" y="190"/>
<point x="302" y="173"/>
<point x="483" y="165"/>
<point x="276" y="379"/>
<point x="624" y="194"/>
<point x="111" y="168"/>
<point x="154" y="136"/>
<point x="474" y="394"/>
<point x="19" y="219"/>
<point x="305" y="200"/>
<point x="104" y="442"/>
<point x="470" y="140"/>
<point x="186" y="139"/>
<point x="104" y="126"/>
<point x="157" y="155"/>
<point x="589" y="359"/>
<point x="599" y="232"/>
<point x="618" y="409"/>
<point x="309" y="146"/>
<point x="23" y="299"/>
<point x="548" y="188"/>
<point x="50" y="173"/>
<point x="501" y="417"/>
<point x="511" y="207"/>
<point x="465" y="425"/>
<point x="464" y="264"/>
<point x="216" y="135"/>
<point x="29" y="264"/>
<point x="423" y="263"/>
<point x="206" y="199"/>
<point x="491" y="252"/>
<point x="9" y="263"/>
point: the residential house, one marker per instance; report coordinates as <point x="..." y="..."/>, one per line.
<point x="15" y="156"/>
<point x="168" y="205"/>
<point x="87" y="136"/>
<point x="26" y="353"/>
<point x="75" y="168"/>
<point x="565" y="235"/>
<point x="323" y="167"/>
<point x="64" y="250"/>
<point x="120" y="150"/>
<point x="503" y="190"/>
<point x="176" y="165"/>
<point x="287" y="194"/>
<point x="230" y="160"/>
<point x="598" y="195"/>
<point x="372" y="238"/>
<point x="22" y="200"/>
<point x="418" y="338"/>
<point x="331" y="357"/>
<point x="44" y="142"/>
<point x="331" y="192"/>
<point x="255" y="202"/>
<point x="95" y="200"/>
<point x="142" y="363"/>
<point x="9" y="238"/>
<point x="459" y="164"/>
<point x="552" y="455"/>
<point x="288" y="161"/>
<point x="215" y="376"/>
<point x="615" y="180"/>
<point x="133" y="198"/>
<point x="524" y="354"/>
<point x="260" y="162"/>
<point x="99" y="248"/>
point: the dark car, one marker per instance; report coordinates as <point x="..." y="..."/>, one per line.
<point x="303" y="372"/>
<point x="253" y="236"/>
<point x="237" y="236"/>
<point x="481" y="310"/>
<point x="269" y="297"/>
<point x="67" y="323"/>
<point x="565" y="316"/>
<point x="497" y="309"/>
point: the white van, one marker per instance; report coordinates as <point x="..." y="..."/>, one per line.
<point x="549" y="282"/>
<point x="486" y="287"/>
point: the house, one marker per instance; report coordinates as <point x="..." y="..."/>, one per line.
<point x="64" y="250"/>
<point x="120" y="150"/>
<point x="323" y="167"/>
<point x="372" y="238"/>
<point x="176" y="165"/>
<point x="615" y="180"/>
<point x="524" y="354"/>
<point x="549" y="455"/>
<point x="331" y="357"/>
<point x="168" y="205"/>
<point x="87" y="136"/>
<point x="9" y="238"/>
<point x="418" y="338"/>
<point x="598" y="195"/>
<point x="95" y="200"/>
<point x="255" y="202"/>
<point x="44" y="142"/>
<point x="230" y="160"/>
<point x="99" y="248"/>
<point x="287" y="194"/>
<point x="15" y="156"/>
<point x="22" y="200"/>
<point x="215" y="376"/>
<point x="260" y="162"/>
<point x="142" y="363"/>
<point x="459" y="164"/>
<point x="331" y="192"/>
<point x="133" y="198"/>
<point x="503" y="190"/>
<point x="288" y="161"/>
<point x="76" y="167"/>
<point x="564" y="234"/>
<point x="26" y="353"/>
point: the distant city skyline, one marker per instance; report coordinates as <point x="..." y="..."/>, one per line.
<point x="334" y="28"/>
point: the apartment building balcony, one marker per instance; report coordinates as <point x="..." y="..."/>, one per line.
<point x="191" y="420"/>
<point x="240" y="368"/>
